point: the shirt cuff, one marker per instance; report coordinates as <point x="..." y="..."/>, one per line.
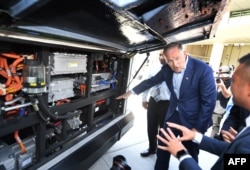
<point x="197" y="138"/>
<point x="185" y="157"/>
<point x="132" y="91"/>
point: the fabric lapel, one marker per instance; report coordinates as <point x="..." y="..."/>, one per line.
<point x="187" y="76"/>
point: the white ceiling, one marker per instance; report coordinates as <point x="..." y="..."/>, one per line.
<point x="232" y="30"/>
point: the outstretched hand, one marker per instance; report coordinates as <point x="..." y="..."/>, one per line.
<point x="172" y="144"/>
<point x="187" y="134"/>
<point x="125" y="95"/>
<point x="229" y="135"/>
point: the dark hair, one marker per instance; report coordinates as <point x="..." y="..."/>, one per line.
<point x="245" y="60"/>
<point x="244" y="72"/>
<point x="119" y="163"/>
<point x="172" y="45"/>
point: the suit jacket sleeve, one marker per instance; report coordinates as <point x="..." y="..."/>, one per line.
<point x="208" y="144"/>
<point x="147" y="84"/>
<point x="213" y="146"/>
<point x="233" y="119"/>
<point x="207" y="91"/>
<point x="189" y="164"/>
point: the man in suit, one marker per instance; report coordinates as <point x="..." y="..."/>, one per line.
<point x="193" y="95"/>
<point x="240" y="88"/>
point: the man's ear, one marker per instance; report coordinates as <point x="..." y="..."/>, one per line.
<point x="248" y="89"/>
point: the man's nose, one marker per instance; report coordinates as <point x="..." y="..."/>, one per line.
<point x="175" y="63"/>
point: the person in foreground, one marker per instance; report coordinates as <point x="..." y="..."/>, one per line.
<point x="240" y="88"/>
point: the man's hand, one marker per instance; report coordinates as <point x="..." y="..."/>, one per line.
<point x="187" y="134"/>
<point x="229" y="135"/>
<point x="145" y="105"/>
<point x="226" y="92"/>
<point x="220" y="84"/>
<point x="125" y="95"/>
<point x="172" y="144"/>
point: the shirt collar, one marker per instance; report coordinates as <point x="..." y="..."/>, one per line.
<point x="247" y="120"/>
<point x="187" y="57"/>
<point x="185" y="66"/>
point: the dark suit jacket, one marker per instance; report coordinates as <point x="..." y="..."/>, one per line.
<point x="197" y="93"/>
<point x="236" y="118"/>
<point x="240" y="145"/>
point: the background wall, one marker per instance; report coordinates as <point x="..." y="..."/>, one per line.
<point x="230" y="54"/>
<point x="202" y="52"/>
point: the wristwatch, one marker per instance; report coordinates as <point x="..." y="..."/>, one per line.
<point x="181" y="153"/>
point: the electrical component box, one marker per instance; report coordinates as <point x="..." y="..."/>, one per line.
<point x="60" y="88"/>
<point x="66" y="63"/>
<point x="101" y="81"/>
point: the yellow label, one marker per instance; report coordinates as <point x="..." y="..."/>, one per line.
<point x="73" y="64"/>
<point x="33" y="84"/>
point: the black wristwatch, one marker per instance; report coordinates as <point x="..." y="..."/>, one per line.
<point x="181" y="153"/>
